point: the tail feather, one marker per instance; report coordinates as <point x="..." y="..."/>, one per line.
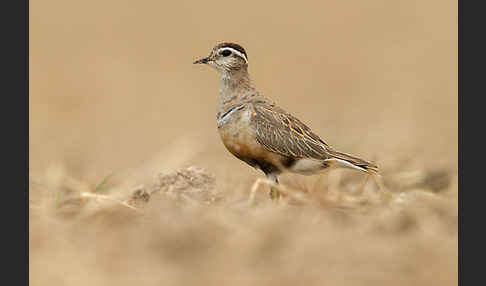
<point x="346" y="160"/>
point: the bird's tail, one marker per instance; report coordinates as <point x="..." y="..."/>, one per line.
<point x="347" y="161"/>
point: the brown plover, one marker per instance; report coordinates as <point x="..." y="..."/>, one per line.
<point x="260" y="133"/>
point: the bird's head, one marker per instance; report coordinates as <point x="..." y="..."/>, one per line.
<point x="226" y="57"/>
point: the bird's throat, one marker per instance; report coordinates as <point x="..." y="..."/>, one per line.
<point x="236" y="86"/>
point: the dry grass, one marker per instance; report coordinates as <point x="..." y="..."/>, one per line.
<point x="181" y="230"/>
<point x="118" y="114"/>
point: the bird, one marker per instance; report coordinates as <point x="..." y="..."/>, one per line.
<point x="265" y="136"/>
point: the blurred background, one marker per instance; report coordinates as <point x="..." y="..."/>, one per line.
<point x="113" y="92"/>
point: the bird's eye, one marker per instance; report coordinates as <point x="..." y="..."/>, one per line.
<point x="226" y="53"/>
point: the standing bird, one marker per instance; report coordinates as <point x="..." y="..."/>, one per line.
<point x="260" y="133"/>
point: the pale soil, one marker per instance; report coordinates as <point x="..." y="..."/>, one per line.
<point x="113" y="95"/>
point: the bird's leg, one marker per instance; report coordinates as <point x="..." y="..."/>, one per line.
<point x="274" y="193"/>
<point x="275" y="187"/>
<point x="256" y="186"/>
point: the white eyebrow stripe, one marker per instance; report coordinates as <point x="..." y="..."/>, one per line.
<point x="236" y="52"/>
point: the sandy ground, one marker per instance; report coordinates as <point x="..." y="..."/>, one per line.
<point x="117" y="109"/>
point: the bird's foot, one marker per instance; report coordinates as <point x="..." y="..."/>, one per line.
<point x="277" y="192"/>
<point x="274" y="194"/>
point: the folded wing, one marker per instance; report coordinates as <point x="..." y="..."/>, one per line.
<point x="280" y="132"/>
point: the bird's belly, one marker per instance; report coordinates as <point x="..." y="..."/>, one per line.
<point x="308" y="166"/>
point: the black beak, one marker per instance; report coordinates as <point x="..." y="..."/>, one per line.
<point x="202" y="61"/>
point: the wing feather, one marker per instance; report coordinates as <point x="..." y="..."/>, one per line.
<point x="282" y="133"/>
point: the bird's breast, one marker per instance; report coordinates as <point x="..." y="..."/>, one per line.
<point x="236" y="131"/>
<point x="239" y="138"/>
